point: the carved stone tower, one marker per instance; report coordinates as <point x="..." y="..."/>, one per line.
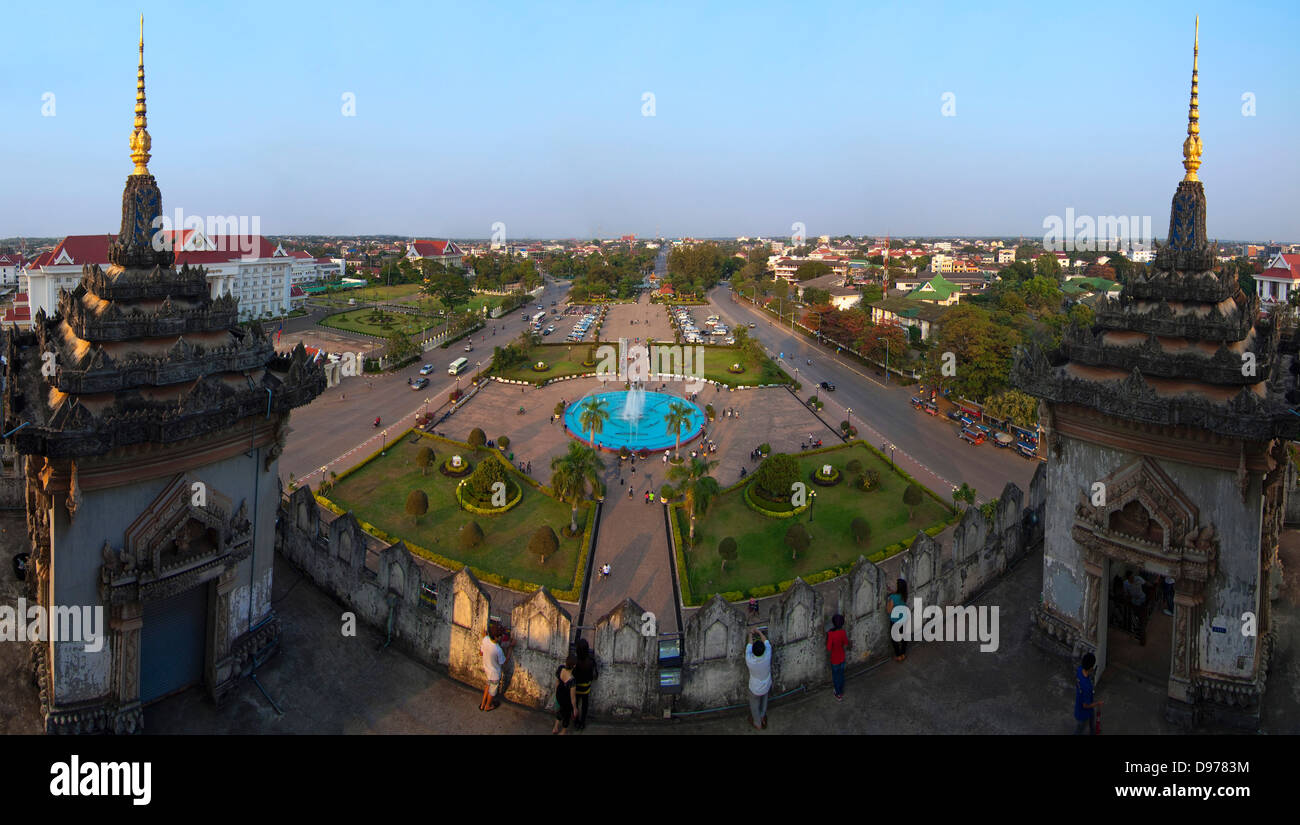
<point x="150" y="424"/>
<point x="1167" y="423"/>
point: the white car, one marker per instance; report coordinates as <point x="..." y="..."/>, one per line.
<point x="426" y="369"/>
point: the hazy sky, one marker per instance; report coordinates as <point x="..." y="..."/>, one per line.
<point x="532" y="115"/>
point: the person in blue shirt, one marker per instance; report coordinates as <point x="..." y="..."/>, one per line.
<point x="1084" y="706"/>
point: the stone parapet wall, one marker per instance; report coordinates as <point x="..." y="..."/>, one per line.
<point x="442" y="622"/>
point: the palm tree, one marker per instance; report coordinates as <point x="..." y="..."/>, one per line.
<point x="592" y="415"/>
<point x="697" y="487"/>
<point x="572" y="474"/>
<point x="679" y="415"/>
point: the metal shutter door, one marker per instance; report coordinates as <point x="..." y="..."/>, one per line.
<point x="172" y="642"/>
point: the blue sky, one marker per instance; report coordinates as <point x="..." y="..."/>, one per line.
<point x="765" y="114"/>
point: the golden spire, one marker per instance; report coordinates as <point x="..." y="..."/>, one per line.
<point x="1192" y="146"/>
<point x="140" y="142"/>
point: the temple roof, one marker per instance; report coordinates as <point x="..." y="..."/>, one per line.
<point x="1182" y="344"/>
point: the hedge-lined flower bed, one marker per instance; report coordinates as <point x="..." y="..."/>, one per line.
<point x="763" y="509"/>
<point x="451" y="471"/>
<point x="479" y="509"/>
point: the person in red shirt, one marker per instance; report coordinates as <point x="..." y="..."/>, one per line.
<point x="837" y="641"/>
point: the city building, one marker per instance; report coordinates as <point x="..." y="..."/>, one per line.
<point x="445" y="252"/>
<point x="922" y="315"/>
<point x="938" y="290"/>
<point x="1278" y="281"/>
<point x="254" y="269"/>
<point x="10" y="267"/>
<point x="1167" y="459"/>
<point x="152" y="487"/>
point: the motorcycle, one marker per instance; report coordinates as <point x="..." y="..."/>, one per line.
<point x="376" y="421"/>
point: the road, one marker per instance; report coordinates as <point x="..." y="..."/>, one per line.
<point x="336" y="429"/>
<point x="929" y="441"/>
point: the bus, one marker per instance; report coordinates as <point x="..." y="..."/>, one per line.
<point x="458" y="366"/>
<point x="538" y="318"/>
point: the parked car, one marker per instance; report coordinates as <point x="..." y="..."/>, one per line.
<point x="419" y="384"/>
<point x="972" y="437"/>
<point x="930" y="408"/>
<point x="917" y="402"/>
<point x="426" y="369"/>
<point x="752" y="326"/>
<point x="956" y="415"/>
<point x="828" y="386"/>
<point x="1026" y="450"/>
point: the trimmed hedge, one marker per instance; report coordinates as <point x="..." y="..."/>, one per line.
<point x="682" y="579"/>
<point x="770" y="513"/>
<point x="487" y="511"/>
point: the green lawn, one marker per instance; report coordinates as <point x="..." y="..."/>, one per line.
<point x="377" y="493"/>
<point x="566" y="359"/>
<point x="369" y="294"/>
<point x="364" y="321"/>
<point x="763" y="557"/>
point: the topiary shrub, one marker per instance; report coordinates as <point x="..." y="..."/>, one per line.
<point x="854" y="465"/>
<point x="543" y="543"/>
<point x="417" y="504"/>
<point x="912" y="496"/>
<point x="765" y="449"/>
<point x="727" y="551"/>
<point x="861" y="530"/>
<point x="624" y="452"/>
<point x="797" y="539"/>
<point x="775" y="476"/>
<point x="504" y="442"/>
<point x="423" y="458"/>
<point x="476" y="438"/>
<point x="489" y="471"/>
<point x="470" y="536"/>
<point x="667" y="493"/>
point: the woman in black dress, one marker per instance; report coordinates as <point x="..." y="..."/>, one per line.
<point x="584" y="672"/>
<point x="565" y="688"/>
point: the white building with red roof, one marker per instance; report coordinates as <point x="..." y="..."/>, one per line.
<point x="445" y="252"/>
<point x="10" y="265"/>
<point x="1276" y="283"/>
<point x="254" y="269"/>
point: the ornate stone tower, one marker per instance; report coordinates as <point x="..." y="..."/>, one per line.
<point x="150" y="424"/>
<point x="1166" y="425"/>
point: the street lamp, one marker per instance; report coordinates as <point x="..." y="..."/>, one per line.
<point x="812" y="496"/>
<point x="892" y="448"/>
<point x="384" y="443"/>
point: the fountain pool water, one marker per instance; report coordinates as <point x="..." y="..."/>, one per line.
<point x="636" y="420"/>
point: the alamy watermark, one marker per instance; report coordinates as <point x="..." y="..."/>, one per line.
<point x="68" y="623"/>
<point x="1103" y="233"/>
<point x="640" y="363"/>
<point x="954" y="623"/>
<point x="224" y="233"/>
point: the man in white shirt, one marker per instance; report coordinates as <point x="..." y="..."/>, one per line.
<point x="493" y="660"/>
<point x="758" y="658"/>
